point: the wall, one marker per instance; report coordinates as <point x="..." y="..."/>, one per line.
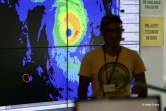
<point x="153" y="59"/>
<point x="155" y="62"/>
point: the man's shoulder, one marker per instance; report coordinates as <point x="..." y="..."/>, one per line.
<point x="129" y="51"/>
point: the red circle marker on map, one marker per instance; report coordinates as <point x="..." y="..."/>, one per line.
<point x="26" y="78"/>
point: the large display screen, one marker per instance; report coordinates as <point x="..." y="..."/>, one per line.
<point x="33" y="75"/>
<point x="42" y="43"/>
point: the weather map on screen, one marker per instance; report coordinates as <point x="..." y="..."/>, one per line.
<point x="35" y="59"/>
<point x="26" y="54"/>
<point x="76" y="23"/>
<point x="84" y="20"/>
<point x="33" y="75"/>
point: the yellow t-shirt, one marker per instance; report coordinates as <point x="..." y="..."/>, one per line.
<point x="128" y="64"/>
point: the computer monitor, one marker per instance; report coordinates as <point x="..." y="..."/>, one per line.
<point x="121" y="104"/>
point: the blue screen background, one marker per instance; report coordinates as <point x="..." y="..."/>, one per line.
<point x="40" y="56"/>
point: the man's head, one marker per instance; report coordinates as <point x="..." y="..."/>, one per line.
<point x="111" y="29"/>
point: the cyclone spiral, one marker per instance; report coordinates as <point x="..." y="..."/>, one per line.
<point x="71" y="22"/>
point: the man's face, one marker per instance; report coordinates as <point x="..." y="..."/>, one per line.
<point x="112" y="34"/>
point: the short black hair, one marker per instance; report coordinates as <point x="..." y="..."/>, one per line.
<point x="110" y="18"/>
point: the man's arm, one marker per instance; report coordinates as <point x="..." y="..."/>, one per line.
<point x="142" y="92"/>
<point x="139" y="75"/>
<point x="83" y="87"/>
<point x="85" y="76"/>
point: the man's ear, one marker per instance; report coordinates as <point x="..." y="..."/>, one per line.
<point x="122" y="39"/>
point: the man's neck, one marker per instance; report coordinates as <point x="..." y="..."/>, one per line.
<point x="112" y="51"/>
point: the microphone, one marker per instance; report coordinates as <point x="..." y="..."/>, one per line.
<point x="127" y="80"/>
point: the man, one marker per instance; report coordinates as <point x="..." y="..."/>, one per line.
<point x="107" y="66"/>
